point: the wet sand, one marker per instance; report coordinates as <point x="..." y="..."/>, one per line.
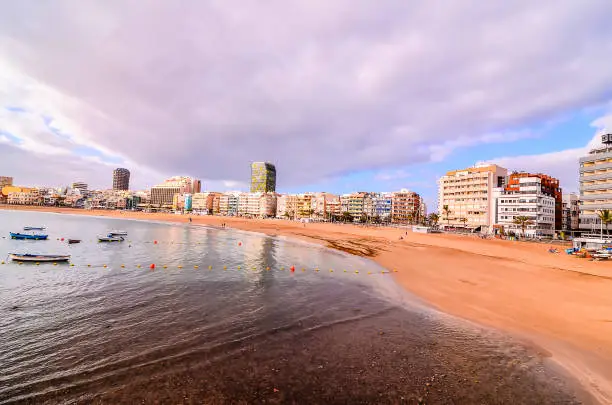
<point x="558" y="303"/>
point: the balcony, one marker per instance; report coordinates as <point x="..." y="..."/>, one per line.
<point x="599" y="166"/>
<point x="592" y="197"/>
<point x="600" y="186"/>
<point x="601" y="176"/>
<point x="596" y="156"/>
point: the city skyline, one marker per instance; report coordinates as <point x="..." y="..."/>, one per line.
<point x="368" y="118"/>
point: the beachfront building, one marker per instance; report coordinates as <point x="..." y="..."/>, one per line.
<point x="286" y="206"/>
<point x="526" y="195"/>
<point x="228" y="203"/>
<point x="595" y="184"/>
<point x="405" y="207"/>
<point x="162" y="195"/>
<point x="121" y="179"/>
<point x="208" y="203"/>
<point x="325" y="206"/>
<point x="263" y="177"/>
<point x="257" y="205"/>
<point x="382" y="205"/>
<point x="570" y="212"/>
<point x="22" y="195"/>
<point x="548" y="185"/>
<point x="468" y="195"/>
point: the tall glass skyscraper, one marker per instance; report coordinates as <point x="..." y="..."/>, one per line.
<point x="263" y="177"/>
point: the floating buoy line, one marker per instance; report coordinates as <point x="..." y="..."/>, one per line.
<point x="154" y="266"/>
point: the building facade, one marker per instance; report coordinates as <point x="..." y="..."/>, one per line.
<point x="263" y="177"/>
<point x="162" y="196"/>
<point x="405" y="207"/>
<point x="82" y="187"/>
<point x="595" y="184"/>
<point x="570" y="212"/>
<point x="24" y="196"/>
<point x="547" y="185"/>
<point x="468" y="195"/>
<point x="121" y="179"/>
<point x="383" y="203"/>
<point x="526" y="196"/>
<point x="228" y="204"/>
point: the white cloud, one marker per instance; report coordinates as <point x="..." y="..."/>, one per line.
<point x="560" y="164"/>
<point x="321" y="88"/>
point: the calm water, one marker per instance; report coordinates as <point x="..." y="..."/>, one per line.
<point x="184" y="335"/>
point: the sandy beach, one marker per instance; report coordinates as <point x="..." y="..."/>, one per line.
<point x="558" y="303"/>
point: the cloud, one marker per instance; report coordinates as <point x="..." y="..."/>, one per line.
<point x="561" y="164"/>
<point x="321" y="88"/>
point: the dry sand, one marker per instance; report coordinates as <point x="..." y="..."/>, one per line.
<point x="559" y="303"/>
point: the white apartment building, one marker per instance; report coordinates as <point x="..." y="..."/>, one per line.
<point x="528" y="201"/>
<point x="228" y="203"/>
<point x="468" y="193"/>
<point x="260" y="205"/>
<point x="595" y="184"/>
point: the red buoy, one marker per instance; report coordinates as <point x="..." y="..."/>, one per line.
<point x="239" y="243"/>
<point x="292" y="269"/>
<point x="155" y="242"/>
<point x="152" y="266"/>
<point x="62" y="239"/>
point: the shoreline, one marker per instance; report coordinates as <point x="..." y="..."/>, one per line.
<point x="555" y="302"/>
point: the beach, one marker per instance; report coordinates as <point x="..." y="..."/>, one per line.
<point x="556" y="303"/>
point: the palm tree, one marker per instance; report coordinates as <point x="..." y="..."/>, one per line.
<point x="464" y="220"/>
<point x="347" y="216"/>
<point x="447" y="213"/>
<point x="434" y="218"/>
<point x="523" y="222"/>
<point x="605" y="216"/>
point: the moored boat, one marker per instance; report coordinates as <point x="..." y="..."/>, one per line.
<point x="27" y="257"/>
<point x="22" y="236"/>
<point x="110" y="238"/>
<point x="117" y="233"/>
<point x="33" y="228"/>
<point x="71" y="241"/>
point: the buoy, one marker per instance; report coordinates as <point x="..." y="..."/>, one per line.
<point x="356" y="271"/>
<point x="180" y="267"/>
<point x="224" y="267"/>
<point x="209" y="267"/>
<point x="292" y="269"/>
<point x="282" y="268"/>
<point x="152" y="266"/>
<point x="89" y="265"/>
<point x="55" y="264"/>
<point x="239" y="243"/>
<point x="123" y="266"/>
<point x="2" y="261"/>
<point x="104" y="266"/>
<point x="164" y="266"/>
<point x="37" y="263"/>
<point x="155" y="242"/>
<point x="138" y="265"/>
<point x="369" y="272"/>
<point x="331" y="271"/>
<point x="345" y="270"/>
<point x="395" y="271"/>
<point x="238" y="267"/>
<point x="62" y="239"/>
<point x="303" y="269"/>
<point x="267" y="268"/>
<point x="71" y="264"/>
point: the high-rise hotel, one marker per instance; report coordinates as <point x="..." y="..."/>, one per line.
<point x="121" y="179"/>
<point x="468" y="196"/>
<point x="263" y="177"/>
<point x="595" y="184"/>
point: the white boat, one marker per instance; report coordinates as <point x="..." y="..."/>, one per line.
<point x="38" y="258"/>
<point x="117" y="233"/>
<point x="110" y="238"/>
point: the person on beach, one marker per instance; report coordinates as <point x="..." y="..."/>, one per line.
<point x="189" y="219"/>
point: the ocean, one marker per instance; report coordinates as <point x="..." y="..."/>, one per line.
<point x="222" y="318"/>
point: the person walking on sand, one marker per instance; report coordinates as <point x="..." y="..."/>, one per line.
<point x="189" y="219"/>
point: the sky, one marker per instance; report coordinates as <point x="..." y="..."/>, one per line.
<point x="342" y="96"/>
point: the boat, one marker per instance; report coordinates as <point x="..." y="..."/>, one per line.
<point x="117" y="233"/>
<point x="33" y="228"/>
<point x="110" y="238"/>
<point x="71" y="241"/>
<point x="38" y="258"/>
<point x="22" y="236"/>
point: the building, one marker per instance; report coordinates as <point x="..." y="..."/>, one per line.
<point x="405" y="207"/>
<point x="82" y="187"/>
<point x="263" y="177"/>
<point x="595" y="184"/>
<point x="228" y="203"/>
<point x="468" y="196"/>
<point x="5" y="181"/>
<point x="383" y="203"/>
<point x="207" y="203"/>
<point x="22" y="195"/>
<point x="162" y="195"/>
<point x="547" y="185"/>
<point x="526" y="195"/>
<point x="286" y="206"/>
<point x="570" y="212"/>
<point x="257" y="205"/>
<point x="121" y="179"/>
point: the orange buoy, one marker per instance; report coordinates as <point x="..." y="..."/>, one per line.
<point x="152" y="266"/>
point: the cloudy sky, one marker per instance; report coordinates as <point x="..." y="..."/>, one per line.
<point x="343" y="95"/>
